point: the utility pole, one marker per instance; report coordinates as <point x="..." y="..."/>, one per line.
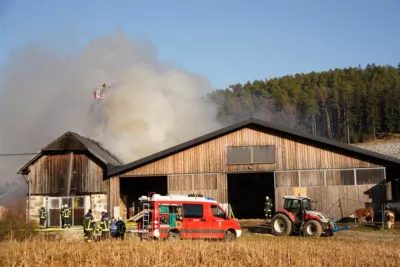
<point x="29" y="195"/>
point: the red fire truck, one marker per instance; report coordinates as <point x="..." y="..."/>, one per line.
<point x="173" y="217"/>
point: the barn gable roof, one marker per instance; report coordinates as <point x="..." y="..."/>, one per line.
<point x="259" y="124"/>
<point x="74" y="142"/>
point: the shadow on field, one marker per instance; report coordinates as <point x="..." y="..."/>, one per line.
<point x="263" y="228"/>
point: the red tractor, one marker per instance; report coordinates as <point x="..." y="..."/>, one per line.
<point x="296" y="217"/>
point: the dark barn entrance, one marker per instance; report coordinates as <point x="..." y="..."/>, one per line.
<point x="247" y="192"/>
<point x="133" y="188"/>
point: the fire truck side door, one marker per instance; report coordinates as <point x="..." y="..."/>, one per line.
<point x="194" y="221"/>
<point x="217" y="222"/>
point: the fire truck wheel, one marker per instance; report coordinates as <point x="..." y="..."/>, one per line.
<point x="229" y="236"/>
<point x="312" y="228"/>
<point x="172" y="236"/>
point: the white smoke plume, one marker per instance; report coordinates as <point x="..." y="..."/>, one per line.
<point x="151" y="106"/>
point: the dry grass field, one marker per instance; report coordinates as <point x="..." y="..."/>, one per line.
<point x="361" y="247"/>
<point x="348" y="248"/>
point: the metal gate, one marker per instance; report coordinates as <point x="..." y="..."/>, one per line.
<point x="77" y="205"/>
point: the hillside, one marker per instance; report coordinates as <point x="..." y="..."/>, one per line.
<point x="352" y="104"/>
<point x="387" y="147"/>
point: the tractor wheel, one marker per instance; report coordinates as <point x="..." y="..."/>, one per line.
<point x="173" y="237"/>
<point x="312" y="228"/>
<point x="281" y="225"/>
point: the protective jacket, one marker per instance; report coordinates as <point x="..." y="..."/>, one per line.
<point x="42" y="213"/>
<point x="88" y="222"/>
<point x="105" y="224"/>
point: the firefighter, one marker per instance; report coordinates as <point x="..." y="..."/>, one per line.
<point x="96" y="232"/>
<point x="105" y="226"/>
<point x="268" y="208"/>
<point x="88" y="223"/>
<point x="62" y="215"/>
<point x="121" y="228"/>
<point x="42" y="216"/>
<point x="66" y="215"/>
<point x="113" y="228"/>
<point x="179" y="214"/>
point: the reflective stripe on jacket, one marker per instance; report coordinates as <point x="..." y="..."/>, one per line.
<point x="66" y="213"/>
<point x="42" y="214"/>
<point x="87" y="224"/>
<point x="105" y="224"/>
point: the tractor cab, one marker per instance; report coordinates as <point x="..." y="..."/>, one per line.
<point x="298" y="207"/>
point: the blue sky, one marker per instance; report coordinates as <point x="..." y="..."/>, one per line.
<point x="227" y="41"/>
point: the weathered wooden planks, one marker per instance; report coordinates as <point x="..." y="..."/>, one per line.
<point x="210" y="157"/>
<point x="210" y="185"/>
<point x="49" y="175"/>
<point x="114" y="195"/>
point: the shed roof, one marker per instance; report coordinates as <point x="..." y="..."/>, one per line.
<point x="265" y="126"/>
<point x="74" y="142"/>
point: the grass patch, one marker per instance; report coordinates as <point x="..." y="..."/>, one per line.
<point x="13" y="225"/>
<point x="247" y="251"/>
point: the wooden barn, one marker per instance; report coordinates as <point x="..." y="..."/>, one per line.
<point x="70" y="170"/>
<point x="243" y="163"/>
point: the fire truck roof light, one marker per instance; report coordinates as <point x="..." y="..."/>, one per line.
<point x="157" y="197"/>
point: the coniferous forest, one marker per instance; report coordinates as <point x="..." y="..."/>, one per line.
<point x="350" y="105"/>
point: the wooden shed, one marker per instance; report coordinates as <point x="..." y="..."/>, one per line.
<point x="70" y="170"/>
<point x="243" y="163"/>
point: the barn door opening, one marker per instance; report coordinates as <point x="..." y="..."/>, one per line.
<point x="77" y="206"/>
<point x="247" y="192"/>
<point x="134" y="187"/>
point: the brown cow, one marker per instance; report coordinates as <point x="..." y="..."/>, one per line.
<point x="364" y="212"/>
<point x="389" y="219"/>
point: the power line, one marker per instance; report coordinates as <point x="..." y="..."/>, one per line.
<point x="17" y="154"/>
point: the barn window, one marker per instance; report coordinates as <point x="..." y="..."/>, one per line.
<point x="311" y="178"/>
<point x="193" y="210"/>
<point x="250" y="154"/>
<point x="370" y="176"/>
<point x="340" y="177"/>
<point x="205" y="182"/>
<point x="287" y="179"/>
<point x="180" y="182"/>
<point x="239" y="155"/>
<point x="188" y="183"/>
